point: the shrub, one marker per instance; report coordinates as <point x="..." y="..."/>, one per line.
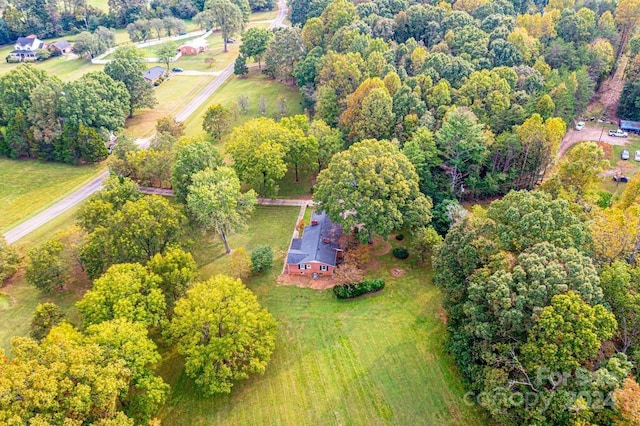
<point x="261" y="259"/>
<point x="400" y="237"/>
<point x="9" y="260"/>
<point x="400" y="253"/>
<point x="349" y="291"/>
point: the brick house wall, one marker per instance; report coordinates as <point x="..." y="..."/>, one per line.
<point x="188" y="50"/>
<point x="312" y="267"/>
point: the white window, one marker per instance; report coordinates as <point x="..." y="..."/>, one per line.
<point x="324" y="268"/>
<point x="304" y="266"/>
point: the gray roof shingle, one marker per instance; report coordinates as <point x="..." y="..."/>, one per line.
<point x="318" y="243"/>
<point x="154" y="72"/>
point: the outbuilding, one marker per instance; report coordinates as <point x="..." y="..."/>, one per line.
<point x="630" y="126"/>
<point x="194" y="47"/>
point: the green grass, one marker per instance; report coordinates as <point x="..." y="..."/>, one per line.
<point x="30" y="186"/>
<point x="254" y="87"/>
<point x="272" y="225"/>
<point x="18" y="299"/>
<point x="378" y="359"/>
<point x="375" y="360"/>
<point x="267" y="15"/>
<point x="172" y="95"/>
<point x="99" y="4"/>
<point x="289" y="188"/>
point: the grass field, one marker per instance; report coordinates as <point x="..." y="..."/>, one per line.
<point x="30" y="186"/>
<point x="21" y="298"/>
<point x="374" y="360"/>
<point x="172" y="95"/>
<point x="99" y="4"/>
<point x="254" y="87"/>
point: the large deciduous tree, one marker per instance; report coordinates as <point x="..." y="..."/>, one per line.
<point x="62" y="380"/>
<point x="126" y="291"/>
<point x="577" y="176"/>
<point x="302" y="149"/>
<point x="128" y="342"/>
<point x="176" y="270"/>
<point x="227" y="16"/>
<point x="16" y="88"/>
<point x="258" y="149"/>
<point x="192" y="157"/>
<point x="128" y="67"/>
<point x="9" y="260"/>
<point x="95" y="100"/>
<point x="462" y="142"/>
<point x="284" y="50"/>
<point x="215" y="201"/>
<point x="368" y="114"/>
<point x="254" y="43"/>
<point x="167" y="53"/>
<point x="134" y="233"/>
<point x="567" y="333"/>
<point x="216" y="121"/>
<point x="373" y="187"/>
<point x="330" y="141"/>
<point x="223" y="333"/>
<point x="46" y="269"/>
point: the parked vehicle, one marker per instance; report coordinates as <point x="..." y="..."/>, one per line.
<point x="620" y="179"/>
<point x="231" y="40"/>
<point x="637" y="156"/>
<point x="618" y="133"/>
<point x="580" y="125"/>
<point x="177" y="69"/>
<point x="625" y="154"/>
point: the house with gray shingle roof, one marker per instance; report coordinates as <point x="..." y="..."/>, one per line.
<point x="154" y="73"/>
<point x="60" y="47"/>
<point x="318" y="251"/>
<point x="25" y="48"/>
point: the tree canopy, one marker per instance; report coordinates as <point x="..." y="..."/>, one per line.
<point x="215" y="201"/>
<point x="372" y="187"/>
<point x="223" y="333"/>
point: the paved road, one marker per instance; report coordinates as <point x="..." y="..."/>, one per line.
<point x="66" y="203"/>
<point x="215" y="84"/>
<point x="34" y="223"/>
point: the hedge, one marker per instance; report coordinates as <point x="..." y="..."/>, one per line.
<point x="348" y="291"/>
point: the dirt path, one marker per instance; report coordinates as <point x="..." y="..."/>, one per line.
<point x="607" y="100"/>
<point x="611" y="89"/>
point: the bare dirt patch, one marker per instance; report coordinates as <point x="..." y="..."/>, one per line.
<point x="320" y="283"/>
<point x="397" y="272"/>
<point x="605" y="104"/>
<point x="380" y="247"/>
<point x="441" y="314"/>
<point x="606" y="148"/>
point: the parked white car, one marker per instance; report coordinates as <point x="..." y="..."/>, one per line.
<point x="636" y="157"/>
<point x="625" y="154"/>
<point x="580" y="125"/>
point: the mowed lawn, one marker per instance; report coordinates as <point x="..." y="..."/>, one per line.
<point x="254" y="87"/>
<point x="172" y="95"/>
<point x="379" y="359"/>
<point x="30" y="186"/>
<point x="18" y="299"/>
